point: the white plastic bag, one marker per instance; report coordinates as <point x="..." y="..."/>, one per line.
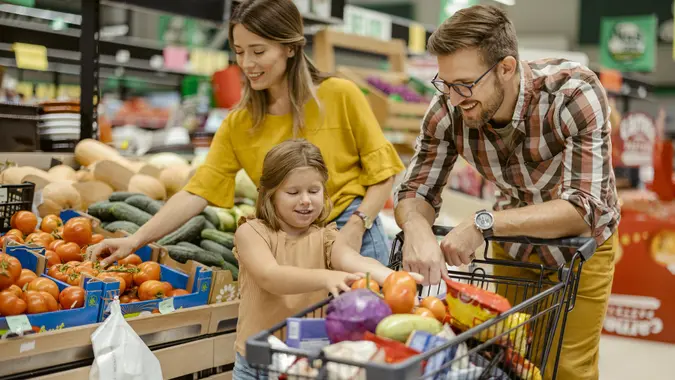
<point x="119" y="352"/>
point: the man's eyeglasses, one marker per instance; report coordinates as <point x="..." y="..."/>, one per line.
<point x="466" y="90"/>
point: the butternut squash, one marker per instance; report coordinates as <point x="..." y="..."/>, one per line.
<point x="61" y="195"/>
<point x="92" y="192"/>
<point x="62" y="172"/>
<point x="14" y="175"/>
<point x="145" y="184"/>
<point x="175" y="178"/>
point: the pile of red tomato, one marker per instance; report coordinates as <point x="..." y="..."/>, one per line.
<point x="23" y="292"/>
<point x="400" y="293"/>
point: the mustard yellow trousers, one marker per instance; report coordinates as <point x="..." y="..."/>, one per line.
<point x="579" y="353"/>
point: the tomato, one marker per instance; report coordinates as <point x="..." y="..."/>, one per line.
<point x="59" y="272"/>
<point x="55" y="244"/>
<point x="11" y="304"/>
<point x="110" y="276"/>
<point x="168" y="288"/>
<point x="424" y="312"/>
<point x="178" y="292"/>
<point x="52" y="258"/>
<point x="50" y="223"/>
<point x="133" y="291"/>
<point x="69" y="252"/>
<point x="25" y="277"/>
<point x="122" y="271"/>
<point x="399" y="279"/>
<point x="77" y="231"/>
<point x="35" y="302"/>
<point x="15" y="290"/>
<point x="400" y="299"/>
<point x="134" y="300"/>
<point x="24" y="221"/>
<point x="50" y="301"/>
<point x="14" y="232"/>
<point x="58" y="233"/>
<point x="10" y="270"/>
<point x="131" y="259"/>
<point x="361" y="284"/>
<point x="148" y="270"/>
<point x="436" y="306"/>
<point x="73" y="279"/>
<point x="72" y="297"/>
<point x="96" y="238"/>
<point x="44" y="284"/>
<point x="125" y="298"/>
<point x="151" y="289"/>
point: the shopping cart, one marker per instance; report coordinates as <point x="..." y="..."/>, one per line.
<point x="522" y="343"/>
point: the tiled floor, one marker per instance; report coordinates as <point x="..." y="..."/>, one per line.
<point x="624" y="358"/>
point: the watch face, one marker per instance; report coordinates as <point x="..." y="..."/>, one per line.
<point x="484" y="221"/>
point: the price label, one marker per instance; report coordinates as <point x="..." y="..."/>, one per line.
<point x="166" y="306"/>
<point x="18" y="324"/>
<point x="175" y="57"/>
<point x="30" y="57"/>
<point x="3" y="194"/>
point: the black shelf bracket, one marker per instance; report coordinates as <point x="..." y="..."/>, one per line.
<point x="89" y="62"/>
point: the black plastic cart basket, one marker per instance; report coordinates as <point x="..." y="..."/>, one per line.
<point x="522" y="343"/>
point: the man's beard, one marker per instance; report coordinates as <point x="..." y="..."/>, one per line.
<point x="488" y="109"/>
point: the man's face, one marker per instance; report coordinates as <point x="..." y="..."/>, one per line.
<point x="465" y="67"/>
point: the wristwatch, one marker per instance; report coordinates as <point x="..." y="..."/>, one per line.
<point x="484" y="221"/>
<point x="367" y="221"/>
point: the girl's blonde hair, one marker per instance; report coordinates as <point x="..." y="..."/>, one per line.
<point x="279" y="162"/>
<point x="279" y="21"/>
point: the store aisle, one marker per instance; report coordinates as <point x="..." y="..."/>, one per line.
<point x="624" y="358"/>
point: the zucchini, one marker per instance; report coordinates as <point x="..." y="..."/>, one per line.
<point x="145" y="203"/>
<point x="187" y="232"/>
<point x="121" y="196"/>
<point x="183" y="254"/>
<point x="211" y="216"/>
<point x="122" y="225"/>
<point x="101" y="210"/>
<point x="125" y="211"/>
<point x="220" y="249"/>
<point x="222" y="238"/>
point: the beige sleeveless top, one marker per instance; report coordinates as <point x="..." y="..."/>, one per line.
<point x="260" y="310"/>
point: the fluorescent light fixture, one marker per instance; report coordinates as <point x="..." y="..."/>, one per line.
<point x="506" y="2"/>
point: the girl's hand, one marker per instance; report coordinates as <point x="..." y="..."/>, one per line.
<point x="337" y="281"/>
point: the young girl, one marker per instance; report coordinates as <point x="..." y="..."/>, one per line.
<point x="287" y="259"/>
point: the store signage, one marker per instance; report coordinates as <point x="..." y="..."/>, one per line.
<point x="628" y="43"/>
<point x="638" y="135"/>
<point x="365" y="22"/>
<point x="30" y="57"/>
<point x="417" y="38"/>
<point x="449" y="7"/>
<point x="633" y="316"/>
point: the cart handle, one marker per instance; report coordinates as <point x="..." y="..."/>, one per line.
<point x="586" y="246"/>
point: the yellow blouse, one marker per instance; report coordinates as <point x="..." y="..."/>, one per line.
<point x="350" y="139"/>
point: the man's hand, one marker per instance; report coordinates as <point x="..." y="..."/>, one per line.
<point x="460" y="245"/>
<point x="421" y="254"/>
<point x="353" y="232"/>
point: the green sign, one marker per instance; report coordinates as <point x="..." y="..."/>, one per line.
<point x="628" y="43"/>
<point x="25" y="3"/>
<point x="449" y="7"/>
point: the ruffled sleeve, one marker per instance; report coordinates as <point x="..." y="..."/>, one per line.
<point x="379" y="165"/>
<point x="330" y="233"/>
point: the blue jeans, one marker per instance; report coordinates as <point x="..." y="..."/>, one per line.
<point x="243" y="371"/>
<point x="374" y="242"/>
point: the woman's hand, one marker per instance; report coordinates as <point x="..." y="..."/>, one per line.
<point x="337" y="281"/>
<point x="117" y="248"/>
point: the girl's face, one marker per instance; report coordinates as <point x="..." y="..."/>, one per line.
<point x="299" y="200"/>
<point x="263" y="61"/>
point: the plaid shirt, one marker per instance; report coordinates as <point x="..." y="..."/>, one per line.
<point x="562" y="151"/>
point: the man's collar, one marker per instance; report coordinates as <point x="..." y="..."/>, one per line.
<point x="524" y="94"/>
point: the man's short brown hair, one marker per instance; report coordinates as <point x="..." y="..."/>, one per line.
<point x="483" y="26"/>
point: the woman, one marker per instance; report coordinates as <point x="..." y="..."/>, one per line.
<point x="286" y="97"/>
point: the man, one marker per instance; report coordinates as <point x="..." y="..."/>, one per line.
<point x="540" y="132"/>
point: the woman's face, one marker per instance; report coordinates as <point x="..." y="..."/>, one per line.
<point x="262" y="60"/>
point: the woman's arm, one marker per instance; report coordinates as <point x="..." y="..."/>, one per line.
<point x="374" y="200"/>
<point x="345" y="258"/>
<point x="254" y="253"/>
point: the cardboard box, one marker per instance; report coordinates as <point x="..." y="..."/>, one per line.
<point x="61" y="319"/>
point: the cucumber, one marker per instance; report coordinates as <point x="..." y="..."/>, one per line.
<point x="122" y="225"/>
<point x="211" y="215"/>
<point x="220" y="249"/>
<point x="101" y="210"/>
<point x="233" y="269"/>
<point x="222" y="238"/>
<point x="121" y="196"/>
<point x="144" y="203"/>
<point x="183" y="254"/>
<point x="190" y="245"/>
<point x="209" y="225"/>
<point x="187" y="232"/>
<point x="124" y="211"/>
<point x="104" y="224"/>
<point x="399" y="326"/>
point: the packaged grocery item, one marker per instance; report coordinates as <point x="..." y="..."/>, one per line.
<point x="360" y="351"/>
<point x="307" y="333"/>
<point x="470" y="305"/>
<point x="424" y="341"/>
<point x="522" y="367"/>
<point x="394" y="351"/>
<point x="518" y="336"/>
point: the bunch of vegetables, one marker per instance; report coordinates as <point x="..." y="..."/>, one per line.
<point x="23" y="292"/>
<point x="199" y="239"/>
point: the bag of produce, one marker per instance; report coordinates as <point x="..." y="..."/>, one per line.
<point x="119" y="353"/>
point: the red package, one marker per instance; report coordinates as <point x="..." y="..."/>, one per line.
<point x="395" y="351"/>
